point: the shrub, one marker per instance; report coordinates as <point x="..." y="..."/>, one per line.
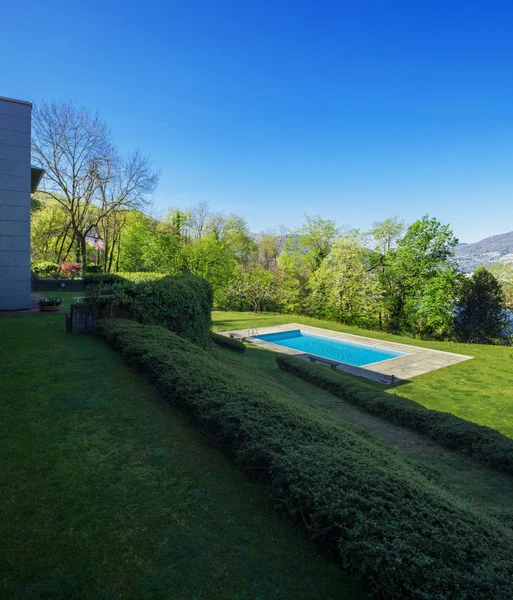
<point x="182" y="303"/>
<point x="400" y="533"/>
<point x="93" y="280"/>
<point x="50" y="301"/>
<point x="94" y="269"/>
<point x="70" y="269"/>
<point x="45" y="268"/>
<point x="481" y="442"/>
<point x="226" y="342"/>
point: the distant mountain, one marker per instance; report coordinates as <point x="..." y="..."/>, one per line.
<point x="491" y="250"/>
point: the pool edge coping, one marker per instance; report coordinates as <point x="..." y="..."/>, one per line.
<point x="416" y="361"/>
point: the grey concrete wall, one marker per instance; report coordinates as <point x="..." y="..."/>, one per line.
<point x="14" y="204"/>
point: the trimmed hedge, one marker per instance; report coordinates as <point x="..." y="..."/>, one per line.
<point x="483" y="443"/>
<point x="226" y="342"/>
<point x="92" y="280"/>
<point x="182" y="303"/>
<point x="403" y="536"/>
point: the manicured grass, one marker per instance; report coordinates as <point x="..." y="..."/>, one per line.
<point x="479" y="390"/>
<point x="106" y="491"/>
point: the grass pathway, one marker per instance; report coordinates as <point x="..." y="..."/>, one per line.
<point x="108" y="492"/>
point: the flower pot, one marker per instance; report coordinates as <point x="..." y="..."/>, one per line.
<point x="49" y="308"/>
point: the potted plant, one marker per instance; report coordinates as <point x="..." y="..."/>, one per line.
<point x="50" y="304"/>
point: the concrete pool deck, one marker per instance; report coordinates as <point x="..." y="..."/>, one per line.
<point x="417" y="361"/>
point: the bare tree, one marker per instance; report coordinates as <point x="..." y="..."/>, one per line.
<point x="198" y="217"/>
<point x="83" y="170"/>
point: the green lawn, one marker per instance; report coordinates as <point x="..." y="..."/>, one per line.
<point x="479" y="390"/>
<point x="108" y="492"/>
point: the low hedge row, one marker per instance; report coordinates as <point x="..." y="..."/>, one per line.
<point x="399" y="533"/>
<point x="483" y="443"/>
<point x="226" y="342"/>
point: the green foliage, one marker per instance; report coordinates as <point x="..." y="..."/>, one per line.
<point x="51" y="236"/>
<point x="136" y="235"/>
<point x="94" y="269"/>
<point x="420" y="280"/>
<point x="210" y="258"/>
<point x="50" y="301"/>
<point x="307" y="246"/>
<point x="227" y="342"/>
<point x="401" y="534"/>
<point x="182" y="303"/>
<point x="342" y="288"/>
<point x="478" y="441"/>
<point x="481" y="315"/>
<point x="162" y="254"/>
<point x="92" y="280"/>
<point x="254" y="285"/>
<point x="45" y="268"/>
<point x="387" y="233"/>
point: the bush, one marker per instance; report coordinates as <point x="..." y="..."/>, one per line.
<point x="397" y="531"/>
<point x="50" y="301"/>
<point x="226" y="342"/>
<point x="483" y="443"/>
<point x="45" y="268"/>
<point x="70" y="269"/>
<point x="94" y="269"/>
<point x="94" y="280"/>
<point x="182" y="303"/>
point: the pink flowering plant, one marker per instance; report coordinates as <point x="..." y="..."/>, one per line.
<point x="70" y="269"/>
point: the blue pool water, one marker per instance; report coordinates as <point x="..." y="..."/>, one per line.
<point x="350" y="353"/>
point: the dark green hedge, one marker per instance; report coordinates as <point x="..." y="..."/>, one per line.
<point x="226" y="342"/>
<point x="399" y="533"/>
<point x="481" y="442"/>
<point x="93" y="280"/>
<point x="182" y="303"/>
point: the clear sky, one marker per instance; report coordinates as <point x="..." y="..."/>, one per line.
<point x="355" y="110"/>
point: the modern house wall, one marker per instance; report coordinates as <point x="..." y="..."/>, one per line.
<point x="15" y="187"/>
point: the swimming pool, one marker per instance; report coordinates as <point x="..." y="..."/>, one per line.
<point x="351" y="353"/>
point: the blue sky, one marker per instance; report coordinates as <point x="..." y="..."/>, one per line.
<point x="355" y="110"/>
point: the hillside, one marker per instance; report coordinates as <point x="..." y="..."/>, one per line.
<point x="494" y="249"/>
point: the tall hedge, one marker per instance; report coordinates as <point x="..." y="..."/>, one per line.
<point x="403" y="536"/>
<point x="483" y="443"/>
<point x="95" y="280"/>
<point x="182" y="303"/>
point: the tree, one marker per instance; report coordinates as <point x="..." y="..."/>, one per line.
<point x="386" y="234"/>
<point x="198" y="218"/>
<point x="83" y="170"/>
<point x="256" y="286"/>
<point x="209" y="258"/>
<point x="481" y="316"/>
<point x="503" y="272"/>
<point x="51" y="235"/>
<point x="342" y="288"/>
<point x="163" y="254"/>
<point x="307" y="246"/>
<point x="268" y="250"/>
<point x="420" y="280"/>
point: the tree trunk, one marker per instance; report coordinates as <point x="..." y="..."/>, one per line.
<point x="83" y="255"/>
